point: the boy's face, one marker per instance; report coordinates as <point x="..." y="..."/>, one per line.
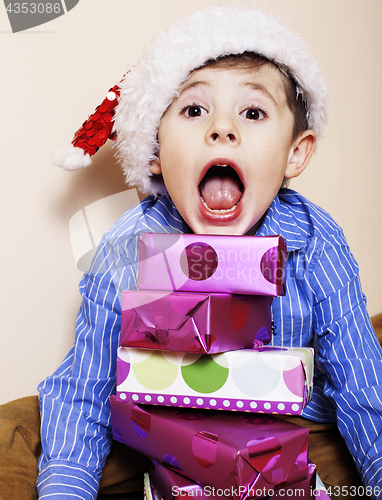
<point x="225" y="147"/>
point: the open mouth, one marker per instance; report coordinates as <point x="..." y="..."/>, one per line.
<point x="221" y="189"/>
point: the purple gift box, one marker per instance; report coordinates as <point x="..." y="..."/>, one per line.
<point x="220" y="449"/>
<point x="164" y="483"/>
<point x="194" y="322"/>
<point x="252" y="265"/>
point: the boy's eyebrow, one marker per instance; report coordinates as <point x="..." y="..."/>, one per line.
<point x="264" y="90"/>
<point x="188" y="86"/>
<point x="253" y="85"/>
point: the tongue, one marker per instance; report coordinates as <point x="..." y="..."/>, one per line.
<point x="220" y="192"/>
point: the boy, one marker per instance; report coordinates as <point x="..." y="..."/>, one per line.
<point x="218" y="114"/>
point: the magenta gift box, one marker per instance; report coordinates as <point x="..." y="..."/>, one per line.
<point x="166" y="484"/>
<point x="263" y="379"/>
<point x="220" y="449"/>
<point x="194" y="322"/>
<point x="252" y="265"/>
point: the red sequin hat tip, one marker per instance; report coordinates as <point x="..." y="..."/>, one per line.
<point x="92" y="135"/>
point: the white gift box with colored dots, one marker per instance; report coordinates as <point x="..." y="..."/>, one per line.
<point x="264" y="379"/>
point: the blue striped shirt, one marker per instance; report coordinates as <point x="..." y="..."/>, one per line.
<point x="324" y="307"/>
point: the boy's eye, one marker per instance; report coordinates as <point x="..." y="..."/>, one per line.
<point x="194" y="111"/>
<point x="253" y="114"/>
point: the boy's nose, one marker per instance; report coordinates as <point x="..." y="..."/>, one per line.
<point x="215" y="136"/>
<point x="222" y="129"/>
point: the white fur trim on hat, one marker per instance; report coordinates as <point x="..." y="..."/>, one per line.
<point x="71" y="158"/>
<point x="168" y="60"/>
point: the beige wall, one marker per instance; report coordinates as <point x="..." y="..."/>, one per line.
<point x="54" y="75"/>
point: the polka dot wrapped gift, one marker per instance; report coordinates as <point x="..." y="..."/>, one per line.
<point x="263" y="379"/>
<point x="224" y="450"/>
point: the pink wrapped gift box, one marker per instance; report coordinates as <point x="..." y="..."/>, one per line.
<point x="164" y="483"/>
<point x="194" y="322"/>
<point x="184" y="488"/>
<point x="263" y="379"/>
<point x="252" y="265"/>
<point x="219" y="449"/>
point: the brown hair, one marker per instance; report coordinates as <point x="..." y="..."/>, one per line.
<point x="249" y="60"/>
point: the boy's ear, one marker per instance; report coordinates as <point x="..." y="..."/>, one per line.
<point x="300" y="153"/>
<point x="155" y="167"/>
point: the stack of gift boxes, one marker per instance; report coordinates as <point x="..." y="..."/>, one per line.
<point x="194" y="341"/>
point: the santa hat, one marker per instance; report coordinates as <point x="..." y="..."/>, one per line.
<point x="137" y="105"/>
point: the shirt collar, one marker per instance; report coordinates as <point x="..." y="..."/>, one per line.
<point x="280" y="219"/>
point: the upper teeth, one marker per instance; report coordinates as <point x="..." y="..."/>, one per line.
<point x="221" y="165"/>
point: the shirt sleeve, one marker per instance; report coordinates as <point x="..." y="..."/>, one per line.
<point x="76" y="427"/>
<point x="350" y="355"/>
